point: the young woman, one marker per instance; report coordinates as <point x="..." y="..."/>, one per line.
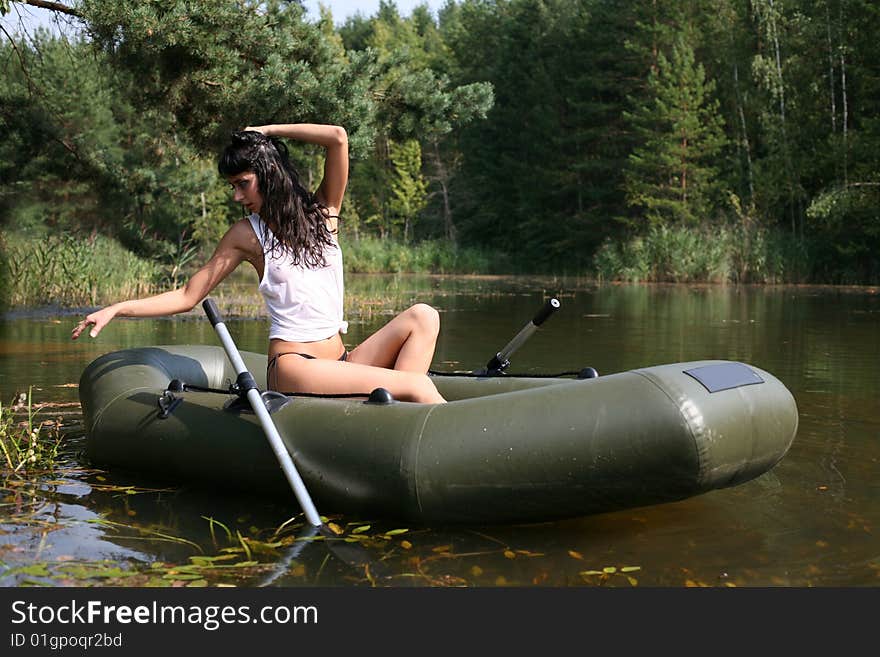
<point x="290" y="239"/>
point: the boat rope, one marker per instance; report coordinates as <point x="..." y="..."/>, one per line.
<point x="168" y="402"/>
<point x="179" y="386"/>
<point x="586" y="373"/>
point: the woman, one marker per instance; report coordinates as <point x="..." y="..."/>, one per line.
<point x="290" y="239"/>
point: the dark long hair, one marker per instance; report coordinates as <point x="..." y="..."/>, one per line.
<point x="297" y="219"/>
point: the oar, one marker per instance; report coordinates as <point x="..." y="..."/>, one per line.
<point x="501" y="360"/>
<point x="247" y="384"/>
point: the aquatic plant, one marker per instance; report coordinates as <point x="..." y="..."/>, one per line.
<point x="27" y="445"/>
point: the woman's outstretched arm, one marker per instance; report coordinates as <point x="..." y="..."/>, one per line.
<point x="335" y="140"/>
<point x="228" y="255"/>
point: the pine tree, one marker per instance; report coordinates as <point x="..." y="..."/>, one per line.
<point x="220" y="65"/>
<point x="602" y="72"/>
<point x="414" y="100"/>
<point x="672" y="174"/>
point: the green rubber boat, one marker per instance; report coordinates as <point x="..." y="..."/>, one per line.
<point x="505" y="449"/>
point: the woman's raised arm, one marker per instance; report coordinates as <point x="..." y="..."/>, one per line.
<point x="335" y="140"/>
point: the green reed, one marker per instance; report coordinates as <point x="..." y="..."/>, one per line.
<point x="734" y="253"/>
<point x="71" y="271"/>
<point x="27" y="445"/>
<point x="369" y="255"/>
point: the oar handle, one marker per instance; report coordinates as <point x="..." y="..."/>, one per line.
<point x="249" y="387"/>
<point x="212" y="312"/>
<point x="547" y="309"/>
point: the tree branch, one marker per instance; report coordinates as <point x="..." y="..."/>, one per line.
<point x="52" y="6"/>
<point x="30" y="83"/>
<point x="33" y="89"/>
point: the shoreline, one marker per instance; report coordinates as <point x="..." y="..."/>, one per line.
<point x="248" y="305"/>
<point x="238" y="302"/>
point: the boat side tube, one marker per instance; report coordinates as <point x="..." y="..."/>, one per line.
<point x="578" y="447"/>
<point x="620" y="441"/>
<point x="506" y="450"/>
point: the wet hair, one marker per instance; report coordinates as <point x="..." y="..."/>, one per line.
<point x="298" y="221"/>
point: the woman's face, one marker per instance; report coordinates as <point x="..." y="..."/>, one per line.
<point x="245" y="190"/>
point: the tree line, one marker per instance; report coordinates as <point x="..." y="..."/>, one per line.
<point x="649" y="140"/>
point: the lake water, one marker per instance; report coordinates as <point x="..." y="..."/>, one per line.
<point x="813" y="520"/>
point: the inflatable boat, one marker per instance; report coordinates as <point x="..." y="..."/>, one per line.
<point x="505" y="449"/>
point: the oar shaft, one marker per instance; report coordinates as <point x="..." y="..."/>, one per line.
<point x="526" y="332"/>
<point x="230" y="348"/>
<point x="256" y="402"/>
<point x="283" y="456"/>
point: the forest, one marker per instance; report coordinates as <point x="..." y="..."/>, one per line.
<point x="732" y="141"/>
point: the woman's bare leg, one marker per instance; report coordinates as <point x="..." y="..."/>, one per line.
<point x="331" y="377"/>
<point x="406" y="343"/>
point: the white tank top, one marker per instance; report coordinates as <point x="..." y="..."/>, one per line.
<point x="304" y="303"/>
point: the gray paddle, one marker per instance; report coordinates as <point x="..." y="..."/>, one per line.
<point x="247" y="384"/>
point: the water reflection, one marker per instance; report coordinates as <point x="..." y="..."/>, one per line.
<point x="809" y="521"/>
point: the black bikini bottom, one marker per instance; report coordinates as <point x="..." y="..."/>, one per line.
<point x="272" y="361"/>
<point x="343" y="357"/>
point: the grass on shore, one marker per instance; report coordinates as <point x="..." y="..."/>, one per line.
<point x="738" y="253"/>
<point x="369" y="255"/>
<point x="71" y="271"/>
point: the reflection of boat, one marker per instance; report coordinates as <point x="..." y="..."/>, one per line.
<point x="505" y="449"/>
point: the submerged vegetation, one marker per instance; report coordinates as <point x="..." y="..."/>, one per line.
<point x="293" y="554"/>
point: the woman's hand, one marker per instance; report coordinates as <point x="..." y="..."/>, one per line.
<point x="97" y="320"/>
<point x="262" y="129"/>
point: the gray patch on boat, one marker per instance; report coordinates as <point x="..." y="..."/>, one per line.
<point x="724" y="376"/>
